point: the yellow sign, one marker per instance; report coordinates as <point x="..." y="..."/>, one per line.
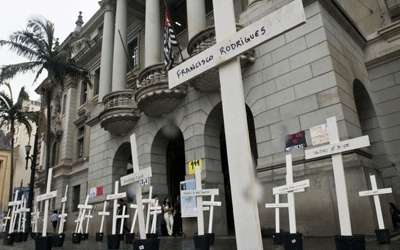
<point x="192" y="165"/>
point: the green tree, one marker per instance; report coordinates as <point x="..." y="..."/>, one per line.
<point x="38" y="45"/>
<point x="12" y="114"/>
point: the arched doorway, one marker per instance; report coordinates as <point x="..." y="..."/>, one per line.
<point x="367" y="117"/>
<point x="217" y="160"/>
<point x="122" y="162"/>
<point x="168" y="159"/>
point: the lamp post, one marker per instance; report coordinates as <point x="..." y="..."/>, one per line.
<point x="33" y="171"/>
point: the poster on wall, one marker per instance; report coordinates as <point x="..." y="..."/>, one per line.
<point x="188" y="203"/>
<point x="296" y="141"/>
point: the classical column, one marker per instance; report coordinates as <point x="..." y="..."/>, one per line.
<point x="120" y="47"/>
<point x="152" y="33"/>
<point x="196" y="16"/>
<point x="106" y="50"/>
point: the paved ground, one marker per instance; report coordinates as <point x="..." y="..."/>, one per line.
<point x="220" y="244"/>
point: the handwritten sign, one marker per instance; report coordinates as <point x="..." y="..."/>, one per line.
<point x="245" y="39"/>
<point x="47" y="196"/>
<point x="142" y="177"/>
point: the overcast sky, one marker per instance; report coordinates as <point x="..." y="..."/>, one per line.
<point x="14" y="15"/>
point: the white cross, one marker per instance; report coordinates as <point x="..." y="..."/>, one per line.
<point x="277" y="206"/>
<point x="155" y="210"/>
<point x="335" y="148"/>
<point x="5" y="221"/>
<point x="115" y="197"/>
<point x="82" y="215"/>
<point x="14" y="205"/>
<point x="210" y="205"/>
<point x="290" y="188"/>
<point x="199" y="193"/>
<point x="22" y="215"/>
<point x="137" y="178"/>
<point x="46" y="197"/>
<point x="35" y="220"/>
<point x="122" y="217"/>
<point x="135" y="215"/>
<point x="375" y="192"/>
<point x="248" y="231"/>
<point x="103" y="214"/>
<point x="88" y="217"/>
<point x="149" y="201"/>
<point x="63" y="215"/>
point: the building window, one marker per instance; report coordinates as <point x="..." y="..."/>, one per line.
<point x="84" y="89"/>
<point x="179" y="16"/>
<point x="96" y="82"/>
<point x="81" y="142"/>
<point x="133" y="50"/>
<point x="76" y="197"/>
<point x="64" y="104"/>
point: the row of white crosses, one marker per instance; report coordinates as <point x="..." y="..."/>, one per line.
<point x="13" y="206"/>
<point x="83" y="208"/>
<point x="22" y="211"/>
<point x="202" y="205"/>
<point x="5" y="221"/>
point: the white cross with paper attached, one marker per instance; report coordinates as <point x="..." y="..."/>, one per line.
<point x="46" y="198"/>
<point x="277" y="205"/>
<point x="35" y="220"/>
<point x="82" y="215"/>
<point x="200" y="193"/>
<point x="210" y="206"/>
<point x="155" y="210"/>
<point x="335" y="148"/>
<point x="115" y="197"/>
<point x="138" y="178"/>
<point x="290" y="188"/>
<point x="375" y="192"/>
<point x="63" y="215"/>
<point x="14" y="205"/>
<point x="103" y="214"/>
<point x="122" y="217"/>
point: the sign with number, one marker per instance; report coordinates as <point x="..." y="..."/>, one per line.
<point x="192" y="165"/>
<point x="144" y="182"/>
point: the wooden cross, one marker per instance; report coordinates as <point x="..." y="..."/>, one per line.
<point x="35" y="220"/>
<point x="155" y="210"/>
<point x="135" y="215"/>
<point x="103" y="214"/>
<point x="22" y="214"/>
<point x="122" y="217"/>
<point x="335" y="148"/>
<point x="375" y="192"/>
<point x="199" y="193"/>
<point x="115" y="197"/>
<point x="14" y="205"/>
<point x="63" y="215"/>
<point x="211" y="204"/>
<point x="149" y="201"/>
<point x="5" y="221"/>
<point x="230" y="44"/>
<point x="290" y="188"/>
<point x="82" y="214"/>
<point x="46" y="197"/>
<point x="88" y="217"/>
<point x="19" y="214"/>
<point x="277" y="206"/>
<point x="137" y="179"/>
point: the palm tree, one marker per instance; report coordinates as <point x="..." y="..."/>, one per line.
<point x="12" y="114"/>
<point x="38" y="45"/>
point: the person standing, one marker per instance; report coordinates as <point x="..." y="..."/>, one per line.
<point x="54" y="220"/>
<point x="168" y="216"/>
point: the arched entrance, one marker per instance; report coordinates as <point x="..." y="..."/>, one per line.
<point x="168" y="161"/>
<point x="122" y="162"/>
<point x="217" y="161"/>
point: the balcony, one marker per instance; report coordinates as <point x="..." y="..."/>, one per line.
<point x="209" y="81"/>
<point x="153" y="96"/>
<point x="120" y="113"/>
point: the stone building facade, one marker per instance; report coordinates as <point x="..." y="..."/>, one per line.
<point x="333" y="65"/>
